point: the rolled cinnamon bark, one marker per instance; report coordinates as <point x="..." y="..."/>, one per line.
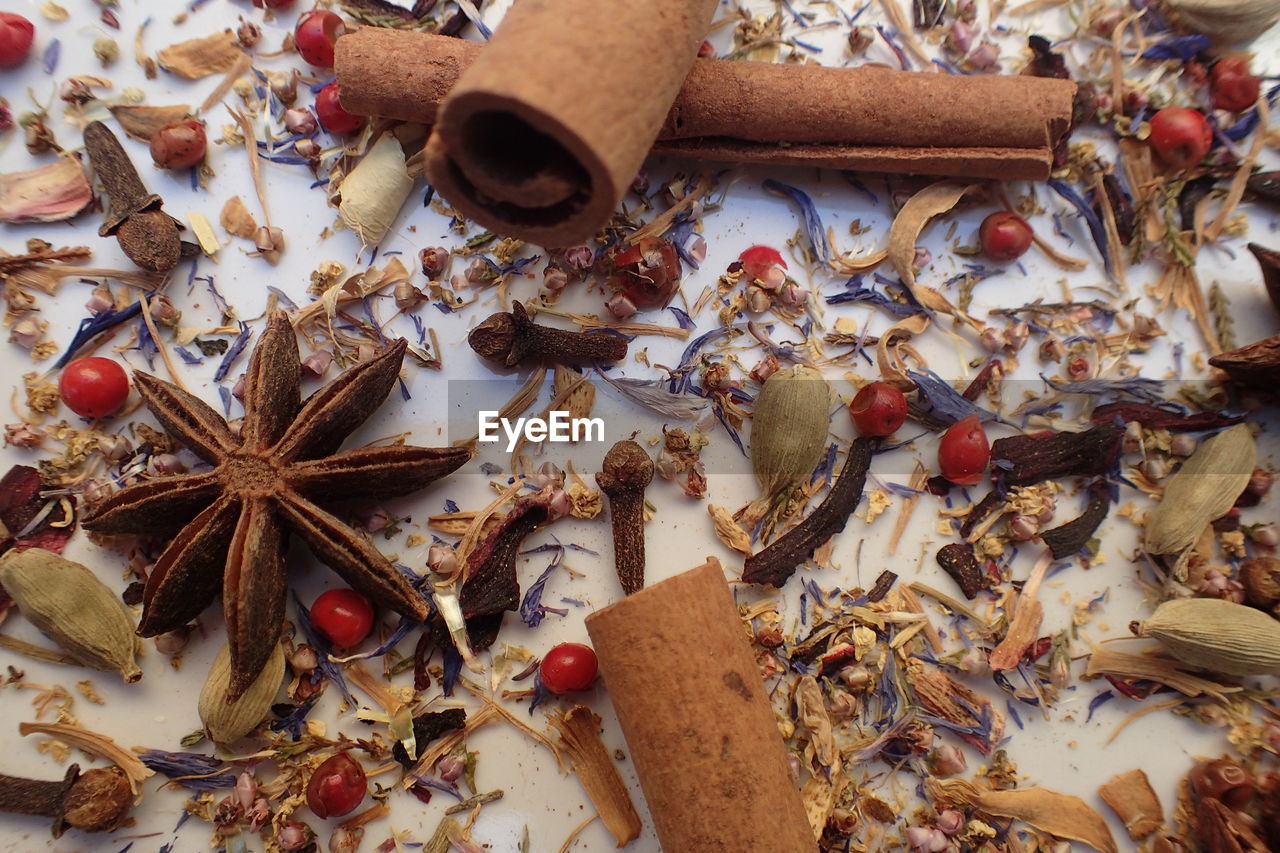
<point x="867" y="118"/>
<point x="695" y="715"/>
<point x="547" y="128"/>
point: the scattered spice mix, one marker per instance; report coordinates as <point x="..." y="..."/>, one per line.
<point x="900" y="703"/>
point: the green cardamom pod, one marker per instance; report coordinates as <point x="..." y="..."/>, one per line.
<point x="1217" y="635"/>
<point x="68" y="603"/>
<point x="1204" y="488"/>
<point x="788" y="431"/>
<point x="227" y="722"/>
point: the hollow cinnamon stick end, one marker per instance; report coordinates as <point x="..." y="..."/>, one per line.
<point x="698" y="723"/>
<point x="557" y="205"/>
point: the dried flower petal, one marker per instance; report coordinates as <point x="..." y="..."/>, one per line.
<point x="49" y="193"/>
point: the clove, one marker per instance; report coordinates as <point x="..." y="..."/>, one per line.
<point x="98" y="801"/>
<point x="778" y="562"/>
<point x="627" y="470"/>
<point x="512" y="337"/>
<point x="148" y="236"/>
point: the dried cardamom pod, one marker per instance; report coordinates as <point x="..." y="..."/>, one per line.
<point x="225" y="721"/>
<point x="68" y="603"/>
<point x="1216" y="635"/>
<point x="1226" y="21"/>
<point x="1204" y="488"/>
<point x="788" y="432"/>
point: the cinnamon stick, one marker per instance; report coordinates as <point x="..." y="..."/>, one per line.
<point x="868" y="118"/>
<point x="546" y="129"/>
<point x="698" y="724"/>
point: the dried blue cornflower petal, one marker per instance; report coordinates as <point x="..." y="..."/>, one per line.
<point x="812" y="221"/>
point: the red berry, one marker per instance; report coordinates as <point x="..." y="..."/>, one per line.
<point x="337" y="786"/>
<point x="964" y="453"/>
<point x="179" y="146"/>
<point x="1004" y="236"/>
<point x="648" y="272"/>
<point x="1232" y="86"/>
<point x="93" y="387"/>
<point x="331" y="114"/>
<point x="569" y="667"/>
<point x="344" y="616"/>
<point x="315" y="36"/>
<point x="757" y="261"/>
<point x="16" y="35"/>
<point x="1180" y="136"/>
<point x="878" y="409"/>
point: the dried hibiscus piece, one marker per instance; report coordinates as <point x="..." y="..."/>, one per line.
<point x="1067" y="539"/>
<point x="1158" y="417"/>
<point x="426" y="728"/>
<point x="1024" y="460"/>
<point x="775" y="564"/>
<point x="957" y="560"/>
<point x="20" y="507"/>
<point x="491" y="587"/>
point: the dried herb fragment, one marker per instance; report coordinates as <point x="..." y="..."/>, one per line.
<point x="580" y="735"/>
<point x="266" y="482"/>
<point x="1070" y="538"/>
<point x="511" y="337"/>
<point x="491" y="587"/>
<point x="990" y="502"/>
<point x="881" y="587"/>
<point x="1131" y="797"/>
<point x="1159" y="417"/>
<point x="148" y="236"/>
<point x="1061" y="815"/>
<point x="1024" y="460"/>
<point x="958" y="561"/>
<point x="778" y="562"/>
<point x="970" y="714"/>
<point x="426" y="728"/>
<point x="20" y="504"/>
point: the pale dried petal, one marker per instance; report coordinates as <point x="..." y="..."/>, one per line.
<point x="580" y="736"/>
<point x="201" y="57"/>
<point x="1060" y="815"/>
<point x="237" y="219"/>
<point x="49" y="193"/>
<point x="915" y="215"/>
<point x="142" y="122"/>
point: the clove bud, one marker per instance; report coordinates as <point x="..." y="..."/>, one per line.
<point x="98" y="801"/>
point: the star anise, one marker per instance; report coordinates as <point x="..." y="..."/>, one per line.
<point x="235" y="519"/>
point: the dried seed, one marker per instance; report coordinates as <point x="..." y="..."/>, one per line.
<point x="225" y="721"/>
<point x="788" y="435"/>
<point x="1203" y="489"/>
<point x="67" y="602"/>
<point x="1216" y="635"/>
